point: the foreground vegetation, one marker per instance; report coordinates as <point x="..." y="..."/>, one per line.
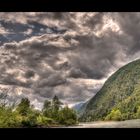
<point x="23" y="114"/>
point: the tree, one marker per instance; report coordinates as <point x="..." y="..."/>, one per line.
<point x="56" y="103"/>
<point x="47" y="109"/>
<point x="47" y="105"/>
<point x="24" y="107"/>
<point x="138" y="112"/>
<point x="67" y="116"/>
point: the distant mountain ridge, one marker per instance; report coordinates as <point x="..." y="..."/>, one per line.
<point x="77" y="106"/>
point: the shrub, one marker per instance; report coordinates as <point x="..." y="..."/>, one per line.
<point x="44" y="121"/>
<point x="114" y="115"/>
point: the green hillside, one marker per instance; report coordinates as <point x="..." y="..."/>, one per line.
<point x="119" y="98"/>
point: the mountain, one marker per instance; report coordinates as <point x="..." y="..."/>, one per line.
<point x="80" y="108"/>
<point x="77" y="106"/>
<point x="119" y="98"/>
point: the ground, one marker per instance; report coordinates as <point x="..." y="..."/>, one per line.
<point x="109" y="124"/>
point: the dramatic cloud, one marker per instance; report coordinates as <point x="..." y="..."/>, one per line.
<point x="66" y="54"/>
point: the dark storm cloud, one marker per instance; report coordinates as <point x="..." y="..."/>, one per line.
<point x="77" y="73"/>
<point x="96" y="22"/>
<point x="10" y="79"/>
<point x="91" y="57"/>
<point x="59" y="48"/>
<point x="52" y="80"/>
<point x="130" y="24"/>
<point x="29" y="74"/>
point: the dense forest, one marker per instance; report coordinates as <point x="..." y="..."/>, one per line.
<point x="24" y="114"/>
<point x="119" y="98"/>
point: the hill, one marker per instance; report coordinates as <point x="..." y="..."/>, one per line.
<point x="119" y="98"/>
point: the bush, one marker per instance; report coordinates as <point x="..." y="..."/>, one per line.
<point x="138" y="112"/>
<point x="114" y="115"/>
<point x="8" y="118"/>
<point x="30" y="120"/>
<point x="70" y="122"/>
<point x="44" y="121"/>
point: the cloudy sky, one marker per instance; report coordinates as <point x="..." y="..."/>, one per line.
<point x="65" y="54"/>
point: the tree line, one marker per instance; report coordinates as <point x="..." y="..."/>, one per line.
<point x="24" y="114"/>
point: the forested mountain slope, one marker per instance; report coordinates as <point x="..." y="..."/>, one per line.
<point x="119" y="98"/>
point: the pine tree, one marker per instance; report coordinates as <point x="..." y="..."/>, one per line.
<point x="24" y="107"/>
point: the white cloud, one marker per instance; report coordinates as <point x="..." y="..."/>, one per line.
<point x="28" y="32"/>
<point x="3" y="31"/>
